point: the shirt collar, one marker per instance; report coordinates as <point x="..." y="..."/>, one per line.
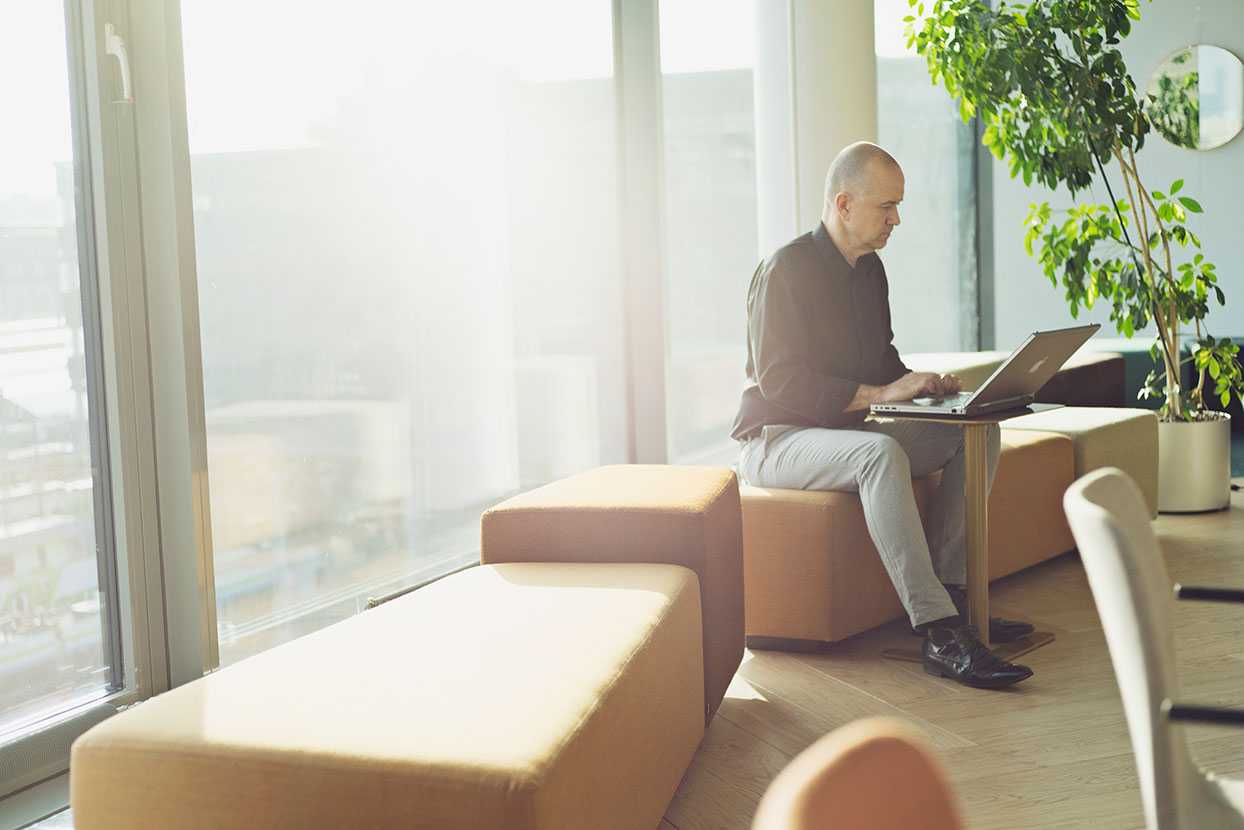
<point x="829" y="251"/>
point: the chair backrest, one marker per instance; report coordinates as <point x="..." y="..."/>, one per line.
<point x="1111" y="525"/>
<point x="876" y="773"/>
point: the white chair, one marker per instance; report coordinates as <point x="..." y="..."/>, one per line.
<point x="1110" y="522"/>
<point x="872" y="774"/>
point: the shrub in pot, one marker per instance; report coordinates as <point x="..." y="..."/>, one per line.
<point x="1055" y="101"/>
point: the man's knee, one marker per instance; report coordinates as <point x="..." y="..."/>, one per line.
<point x="884" y="455"/>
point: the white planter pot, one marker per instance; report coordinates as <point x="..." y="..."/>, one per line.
<point x="1194" y="465"/>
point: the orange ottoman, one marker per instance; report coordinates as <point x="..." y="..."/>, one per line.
<point x="678" y="515"/>
<point x="813" y="576"/>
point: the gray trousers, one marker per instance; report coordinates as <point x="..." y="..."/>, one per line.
<point x="878" y="461"/>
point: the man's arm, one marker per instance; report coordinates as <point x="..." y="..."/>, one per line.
<point x="910" y="385"/>
<point x="780" y="351"/>
<point x="780" y="341"/>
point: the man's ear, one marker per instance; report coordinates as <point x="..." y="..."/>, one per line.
<point x="842" y="204"/>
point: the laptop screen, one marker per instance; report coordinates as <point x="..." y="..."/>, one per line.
<point x="1033" y="364"/>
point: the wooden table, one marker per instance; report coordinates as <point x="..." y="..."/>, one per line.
<point x="976" y="505"/>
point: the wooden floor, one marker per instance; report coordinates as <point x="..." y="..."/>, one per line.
<point x="1050" y="752"/>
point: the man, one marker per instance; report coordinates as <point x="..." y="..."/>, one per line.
<point x="820" y="352"/>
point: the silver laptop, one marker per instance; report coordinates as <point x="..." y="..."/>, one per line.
<point x="1013" y="384"/>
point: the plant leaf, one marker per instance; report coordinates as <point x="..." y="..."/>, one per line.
<point x="1190" y="203"/>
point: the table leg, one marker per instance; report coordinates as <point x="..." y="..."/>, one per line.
<point x="976" y="514"/>
<point x="976" y="508"/>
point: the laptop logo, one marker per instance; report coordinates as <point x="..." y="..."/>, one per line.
<point x="1037" y="365"/>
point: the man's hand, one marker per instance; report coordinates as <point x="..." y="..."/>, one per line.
<point x="912" y="385"/>
<point x="951" y="385"/>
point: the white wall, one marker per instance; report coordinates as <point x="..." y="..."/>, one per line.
<point x="1025" y="301"/>
<point x="816" y="92"/>
<point x="835" y="75"/>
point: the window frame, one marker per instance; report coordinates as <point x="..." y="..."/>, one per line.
<point x="117" y="323"/>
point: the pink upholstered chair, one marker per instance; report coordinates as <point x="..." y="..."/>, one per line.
<point x="850" y="779"/>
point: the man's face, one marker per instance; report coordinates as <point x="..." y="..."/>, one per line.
<point x="872" y="214"/>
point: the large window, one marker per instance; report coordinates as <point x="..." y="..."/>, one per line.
<point x="931" y="260"/>
<point x="407" y="238"/>
<point x="710" y="216"/>
<point x="57" y="648"/>
<point x="405" y="302"/>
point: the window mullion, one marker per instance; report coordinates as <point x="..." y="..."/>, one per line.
<point x="637" y="70"/>
<point x="168" y="256"/>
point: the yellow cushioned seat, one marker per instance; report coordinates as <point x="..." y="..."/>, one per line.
<point x="1105" y="437"/>
<point x="811" y="572"/>
<point x="516" y="696"/>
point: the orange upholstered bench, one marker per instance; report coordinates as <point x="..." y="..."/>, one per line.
<point x="812" y="574"/>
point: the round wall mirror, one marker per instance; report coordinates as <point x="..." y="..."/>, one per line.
<point x="1196" y="97"/>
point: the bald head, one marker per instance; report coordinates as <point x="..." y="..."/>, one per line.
<point x="853" y="168"/>
<point x="863" y="189"/>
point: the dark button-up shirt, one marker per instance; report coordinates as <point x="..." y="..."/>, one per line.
<point x="816" y="329"/>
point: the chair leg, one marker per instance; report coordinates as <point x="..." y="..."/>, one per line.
<point x="1209" y="594"/>
<point x="1191" y="713"/>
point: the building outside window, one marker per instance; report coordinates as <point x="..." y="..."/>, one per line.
<point x="710" y="218"/>
<point x="409" y="284"/>
<point x="931" y="259"/>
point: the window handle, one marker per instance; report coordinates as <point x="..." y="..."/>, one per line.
<point x="114" y="45"/>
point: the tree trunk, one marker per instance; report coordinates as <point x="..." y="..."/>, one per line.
<point x="1172" y="377"/>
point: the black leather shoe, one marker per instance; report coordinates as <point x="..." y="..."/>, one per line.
<point x="958" y="653"/>
<point x="1001" y="630"/>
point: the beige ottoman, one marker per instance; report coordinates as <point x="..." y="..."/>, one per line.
<point x="812" y="574"/>
<point x="1105" y="437"/>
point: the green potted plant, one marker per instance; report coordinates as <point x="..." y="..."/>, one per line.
<point x="1055" y="101"/>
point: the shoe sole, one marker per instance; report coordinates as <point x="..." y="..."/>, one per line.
<point x="975" y="684"/>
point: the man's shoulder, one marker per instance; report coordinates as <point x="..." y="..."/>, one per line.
<point x="794" y="259"/>
<point x="800" y="246"/>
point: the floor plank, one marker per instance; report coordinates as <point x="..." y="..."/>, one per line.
<point x="726" y="780"/>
